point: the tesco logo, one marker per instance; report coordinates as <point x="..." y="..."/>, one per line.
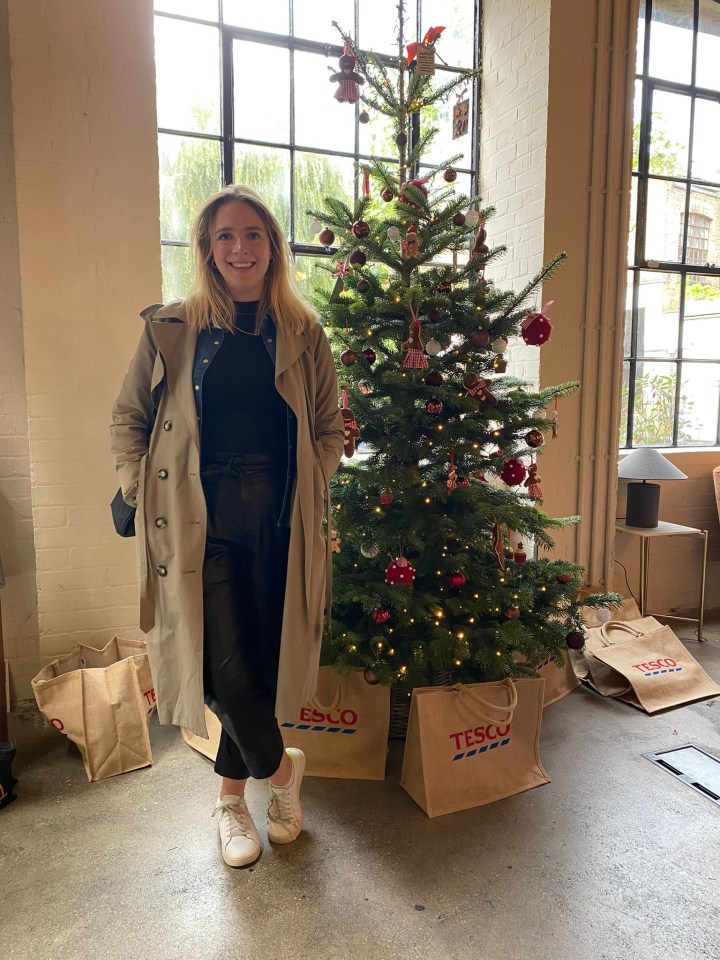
<point x="475" y="736"/>
<point x="666" y="662"/>
<point x="345" y="718"/>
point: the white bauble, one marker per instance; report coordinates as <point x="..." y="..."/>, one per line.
<point x="472" y="217"/>
<point x="434" y="347"/>
<point x="500" y="345"/>
<point x="394" y="233"/>
<point x="369" y="550"/>
<point x="315" y="226"/>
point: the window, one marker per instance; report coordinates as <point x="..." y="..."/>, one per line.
<point x="243" y="95"/>
<point x="671" y="370"/>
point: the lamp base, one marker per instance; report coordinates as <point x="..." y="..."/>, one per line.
<point x="643" y="505"/>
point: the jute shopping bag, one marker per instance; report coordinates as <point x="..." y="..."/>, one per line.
<point x="343" y="729"/>
<point x="658" y="671"/>
<point x="595" y="672"/>
<point x="472" y="744"/>
<point x="559" y="681"/>
<point x="101" y="700"/>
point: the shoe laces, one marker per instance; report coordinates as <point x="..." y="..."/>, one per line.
<point x="281" y="806"/>
<point x="238" y="818"/>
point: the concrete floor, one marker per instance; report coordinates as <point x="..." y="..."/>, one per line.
<point x="613" y="859"/>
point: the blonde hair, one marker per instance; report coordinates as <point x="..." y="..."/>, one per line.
<point x="208" y="304"/>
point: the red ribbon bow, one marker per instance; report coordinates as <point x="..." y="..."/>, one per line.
<point x="430" y="37"/>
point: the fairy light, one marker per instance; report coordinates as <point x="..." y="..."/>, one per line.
<point x="458" y="663"/>
<point x="461" y="636"/>
<point x="428" y="500"/>
<point x="391" y="652"/>
<point x="471" y="620"/>
<point x="403" y="670"/>
<point x="439" y="614"/>
<point x="377" y="509"/>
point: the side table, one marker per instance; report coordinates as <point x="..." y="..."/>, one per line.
<point x="665" y="529"/>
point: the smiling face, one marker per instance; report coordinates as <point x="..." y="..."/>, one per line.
<point x="240" y="247"/>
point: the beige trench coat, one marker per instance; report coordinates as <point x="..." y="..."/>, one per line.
<point x="162" y="475"/>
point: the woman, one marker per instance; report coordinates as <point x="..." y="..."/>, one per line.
<point x="225" y="435"/>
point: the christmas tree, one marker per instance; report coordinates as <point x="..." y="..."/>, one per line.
<point x="437" y="528"/>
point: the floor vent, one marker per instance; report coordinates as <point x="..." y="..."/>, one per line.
<point x="693" y="766"/>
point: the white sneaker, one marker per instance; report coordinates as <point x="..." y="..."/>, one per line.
<point x="285" y="817"/>
<point x="239" y="840"/>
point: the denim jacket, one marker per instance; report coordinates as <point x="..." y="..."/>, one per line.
<point x="208" y="344"/>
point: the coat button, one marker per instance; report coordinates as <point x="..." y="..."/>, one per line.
<point x="161" y="522"/>
<point x="163" y="474"/>
<point x="161" y="571"/>
<point x="206" y="360"/>
<point x="167" y="425"/>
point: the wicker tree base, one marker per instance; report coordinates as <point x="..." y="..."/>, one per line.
<point x="400" y="698"/>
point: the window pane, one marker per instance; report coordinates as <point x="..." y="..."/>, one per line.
<point x="272" y="16"/>
<point x="708" y="46"/>
<point x="267" y="171"/>
<point x="320" y="120"/>
<point x="177" y="272"/>
<point x="318" y="176"/>
<point x="313" y="20"/>
<point x="313" y="277"/>
<point x="200" y="9"/>
<point x="190" y="170"/>
<point x="699" y="402"/>
<point x="377" y="136"/>
<point x="627" y="341"/>
<point x="624" y="395"/>
<point x="637" y="110"/>
<point x="187" y="61"/>
<point x="640" y="48"/>
<point x="705" y="156"/>
<point x="378" y="26"/>
<point x="262" y="110"/>
<point x="671" y="36"/>
<point x="632" y="231"/>
<point x="439" y="115"/>
<point x="704" y="229"/>
<point x="669" y="134"/>
<point x="658" y="318"/>
<point x="456" y="44"/>
<point x="654" y="410"/>
<point x="701" y="329"/>
<point x="665" y="207"/>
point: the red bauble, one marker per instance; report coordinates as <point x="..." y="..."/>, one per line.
<point x="401" y="139"/>
<point x="399" y="571"/>
<point x="463" y="482"/>
<point x="434" y="316"/>
<point x="512" y="613"/>
<point x="456" y="580"/>
<point x="433" y="378"/>
<point x="534" y="438"/>
<point x="564" y="577"/>
<point x="326" y="237"/>
<point x="360" y="229"/>
<point x="370" y="676"/>
<point x="369" y="355"/>
<point x="450" y="175"/>
<point x="363" y="286"/>
<point x="358" y="258"/>
<point x="348" y="357"/>
<point x="535" y="329"/>
<point x="459" y="219"/>
<point x="434" y="407"/>
<point x="387" y="194"/>
<point x="380" y="615"/>
<point x="513" y="472"/>
<point x="575" y="640"/>
<point x="386" y="498"/>
<point x="480" y="338"/>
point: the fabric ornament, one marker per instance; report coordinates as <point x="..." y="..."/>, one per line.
<point x="533" y="483"/>
<point x="366" y="180"/>
<point x="349" y="81"/>
<point x="479" y="389"/>
<point x="419" y="184"/>
<point x="498" y="545"/>
<point x="452" y="474"/>
<point x="351" y="431"/>
<point x="399" y="571"/>
<point x="461" y="115"/>
<point x="513" y="472"/>
<point x="334" y="542"/>
<point x="411" y="244"/>
<point x="414" y="358"/>
<point x="555" y="420"/>
<point x="536" y="327"/>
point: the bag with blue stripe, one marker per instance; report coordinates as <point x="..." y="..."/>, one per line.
<point x="472" y="744"/>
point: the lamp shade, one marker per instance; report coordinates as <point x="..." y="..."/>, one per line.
<point x="646" y="463"/>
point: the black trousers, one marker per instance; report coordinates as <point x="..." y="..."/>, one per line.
<point x="244" y="577"/>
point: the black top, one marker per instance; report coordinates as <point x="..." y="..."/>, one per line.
<point x="242" y="410"/>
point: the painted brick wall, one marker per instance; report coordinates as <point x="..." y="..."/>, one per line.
<point x="17" y="547"/>
<point x="83" y="93"/>
<point x="513" y="143"/>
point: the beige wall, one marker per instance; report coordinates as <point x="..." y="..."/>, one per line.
<point x="85" y="157"/>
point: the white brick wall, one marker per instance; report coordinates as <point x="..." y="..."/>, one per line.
<point x="512" y="146"/>
<point x="85" y="152"/>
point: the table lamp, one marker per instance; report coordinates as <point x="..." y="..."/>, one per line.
<point x="643" y="499"/>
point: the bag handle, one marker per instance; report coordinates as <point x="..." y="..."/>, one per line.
<point x="620" y="626"/>
<point x="328" y="708"/>
<point x="507" y="712"/>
